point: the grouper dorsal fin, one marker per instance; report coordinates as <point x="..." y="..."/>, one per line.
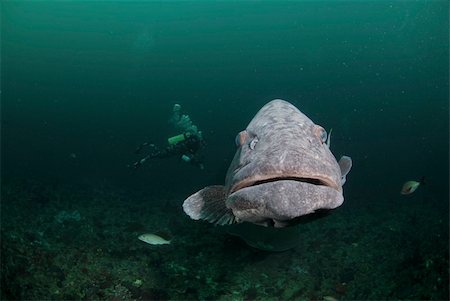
<point x="345" y="164"/>
<point x="209" y="204"/>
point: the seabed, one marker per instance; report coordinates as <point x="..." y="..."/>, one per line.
<point x="66" y="242"/>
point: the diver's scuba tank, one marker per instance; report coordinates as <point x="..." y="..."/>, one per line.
<point x="175" y="139"/>
<point x="178" y="138"/>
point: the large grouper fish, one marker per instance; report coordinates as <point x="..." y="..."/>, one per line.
<point x="283" y="169"/>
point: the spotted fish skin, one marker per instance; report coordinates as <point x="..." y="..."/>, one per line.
<point x="282" y="169"/>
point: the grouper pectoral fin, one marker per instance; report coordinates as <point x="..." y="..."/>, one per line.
<point x="209" y="204"/>
<point x="345" y="164"/>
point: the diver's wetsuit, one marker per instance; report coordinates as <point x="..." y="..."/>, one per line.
<point x="190" y="147"/>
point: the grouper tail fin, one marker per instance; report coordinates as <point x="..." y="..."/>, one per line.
<point x="209" y="204"/>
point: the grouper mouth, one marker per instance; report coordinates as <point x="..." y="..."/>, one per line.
<point x="255" y="181"/>
<point x="279" y="200"/>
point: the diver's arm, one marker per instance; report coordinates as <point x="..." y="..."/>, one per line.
<point x="156" y="153"/>
<point x="169" y="151"/>
<point x="141" y="146"/>
<point x="139" y="163"/>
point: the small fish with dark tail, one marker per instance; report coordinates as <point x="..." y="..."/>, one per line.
<point x="411" y="186"/>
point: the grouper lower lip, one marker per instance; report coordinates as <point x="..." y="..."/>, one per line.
<point x="258" y="203"/>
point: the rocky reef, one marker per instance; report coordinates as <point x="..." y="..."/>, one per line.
<point x="65" y="242"/>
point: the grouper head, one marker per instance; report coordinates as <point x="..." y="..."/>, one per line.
<point x="283" y="169"/>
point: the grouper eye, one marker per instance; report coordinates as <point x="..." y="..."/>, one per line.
<point x="253" y="143"/>
<point x="321" y="133"/>
<point x="323" y="136"/>
<point x="240" y="138"/>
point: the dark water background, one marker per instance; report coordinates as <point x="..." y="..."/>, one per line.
<point x="98" y="78"/>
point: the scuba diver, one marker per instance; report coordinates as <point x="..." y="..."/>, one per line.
<point x="188" y="145"/>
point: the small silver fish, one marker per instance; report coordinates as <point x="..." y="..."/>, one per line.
<point x="411" y="186"/>
<point x="153" y="239"/>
